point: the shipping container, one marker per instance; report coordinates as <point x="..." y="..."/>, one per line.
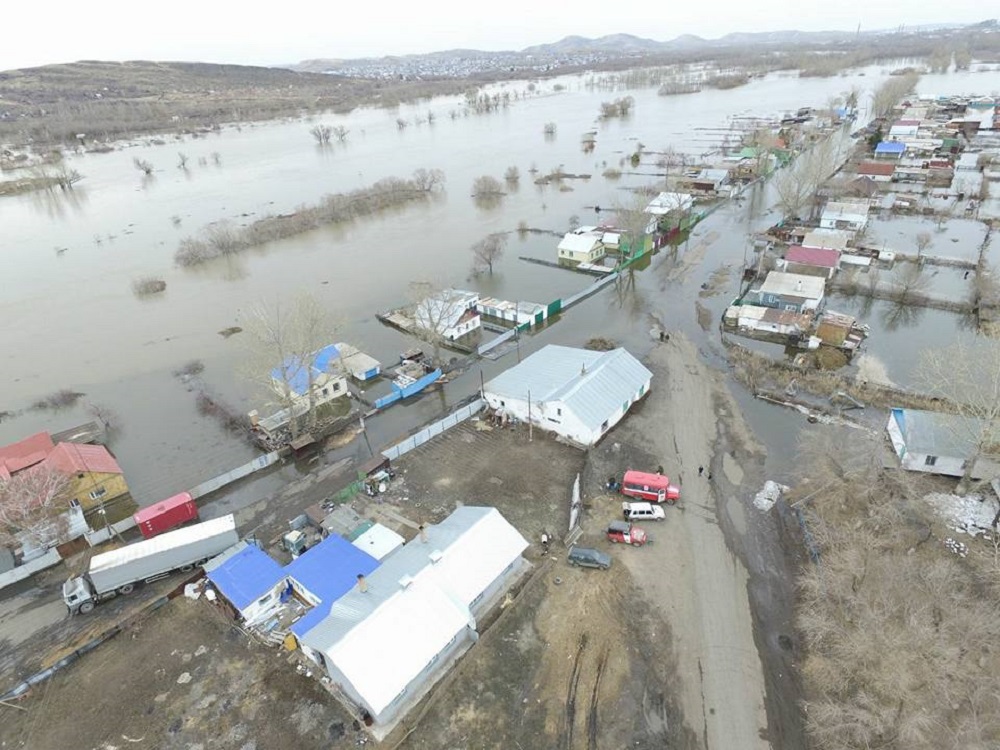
<point x="166" y="515"/>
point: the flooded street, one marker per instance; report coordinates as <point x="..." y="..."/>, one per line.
<point x="72" y="321"/>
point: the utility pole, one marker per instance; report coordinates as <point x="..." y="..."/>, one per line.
<point x="364" y="431"/>
<point x="529" y="415"/>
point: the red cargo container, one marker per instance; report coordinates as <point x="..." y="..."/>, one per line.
<point x="166" y="514"/>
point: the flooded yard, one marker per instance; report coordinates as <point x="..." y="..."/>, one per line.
<point x="72" y="320"/>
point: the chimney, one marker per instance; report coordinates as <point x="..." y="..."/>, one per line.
<point x="423" y="534"/>
<point x="798" y="285"/>
<point x="583" y="369"/>
<point x="254" y="418"/>
<point x="362" y="583"/>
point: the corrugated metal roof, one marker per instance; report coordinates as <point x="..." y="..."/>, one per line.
<point x="890" y="147"/>
<point x="462" y="556"/>
<point x="397" y="642"/>
<point x="171" y="540"/>
<point x="579" y="243"/>
<point x="243" y="574"/>
<point x="593" y="385"/>
<point x="832" y="238"/>
<point x="295" y="372"/>
<point x="937" y="434"/>
<point x="76" y="457"/>
<point x="813" y="256"/>
<point x="328" y="571"/>
<point x="794" y="285"/>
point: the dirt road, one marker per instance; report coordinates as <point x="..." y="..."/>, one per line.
<point x="690" y="573"/>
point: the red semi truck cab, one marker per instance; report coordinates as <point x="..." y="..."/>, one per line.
<point x="165" y="515"/>
<point x="653" y="488"/>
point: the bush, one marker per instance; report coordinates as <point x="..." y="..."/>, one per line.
<point x="147" y="285"/>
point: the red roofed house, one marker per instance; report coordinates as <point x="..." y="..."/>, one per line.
<point x="811" y="261"/>
<point x="880" y="171"/>
<point x="96" y="479"/>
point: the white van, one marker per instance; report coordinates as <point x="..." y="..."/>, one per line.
<point x="642" y="512"/>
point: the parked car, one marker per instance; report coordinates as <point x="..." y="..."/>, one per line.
<point x="585" y="557"/>
<point x="625" y="533"/>
<point x="642" y="511"/>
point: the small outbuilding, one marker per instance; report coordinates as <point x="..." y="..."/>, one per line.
<point x="585" y="245"/>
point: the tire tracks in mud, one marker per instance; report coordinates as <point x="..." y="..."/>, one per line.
<point x="594" y="698"/>
<point x="566" y="736"/>
<point x="568" y="733"/>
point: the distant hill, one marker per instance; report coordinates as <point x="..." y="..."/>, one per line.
<point x="615" y="45"/>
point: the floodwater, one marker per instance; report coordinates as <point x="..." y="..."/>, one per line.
<point x="71" y="320"/>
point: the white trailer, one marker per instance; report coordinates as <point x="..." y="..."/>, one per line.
<point x="118" y="571"/>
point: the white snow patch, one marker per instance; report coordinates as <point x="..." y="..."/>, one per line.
<point x="971" y="514"/>
<point x="767" y="497"/>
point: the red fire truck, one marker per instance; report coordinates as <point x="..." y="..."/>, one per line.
<point x="653" y="488"/>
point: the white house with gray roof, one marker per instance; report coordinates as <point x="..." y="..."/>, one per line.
<point x="576" y="393"/>
<point x="938" y="443"/>
<point x="387" y="641"/>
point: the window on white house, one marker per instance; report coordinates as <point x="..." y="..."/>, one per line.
<point x="98" y="493"/>
<point x="930" y="460"/>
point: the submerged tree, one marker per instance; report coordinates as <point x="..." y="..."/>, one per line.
<point x="283" y="345"/>
<point x="488" y="251"/>
<point x="321" y="133"/>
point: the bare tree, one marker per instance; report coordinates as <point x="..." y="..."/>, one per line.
<point x="142" y="165"/>
<point x="549" y="129"/>
<point x="104" y="414"/>
<point x="32" y="506"/>
<point x="428" y="180"/>
<point x="283" y="343"/>
<point x="486" y="185"/>
<point x="401" y="123"/>
<point x="217" y="158"/>
<point x="182" y="160"/>
<point x="436" y="309"/>
<point x="966" y="376"/>
<point x="910" y="284"/>
<point x="512" y="175"/>
<point x="797" y="184"/>
<point x="890" y="93"/>
<point x="633" y="222"/>
<point x="340" y="132"/>
<point x="488" y="251"/>
<point x="322" y="134"/>
<point x="923" y="241"/>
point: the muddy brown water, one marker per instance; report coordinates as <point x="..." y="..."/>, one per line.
<point x="71" y="320"/>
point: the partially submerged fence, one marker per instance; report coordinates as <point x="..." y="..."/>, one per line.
<point x="434" y="429"/>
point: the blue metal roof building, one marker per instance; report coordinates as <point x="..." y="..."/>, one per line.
<point x="243" y="574"/>
<point x="327" y="571"/>
<point x="890" y="148"/>
<point x="295" y="373"/>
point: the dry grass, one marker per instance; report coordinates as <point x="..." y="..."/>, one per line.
<point x="901" y="634"/>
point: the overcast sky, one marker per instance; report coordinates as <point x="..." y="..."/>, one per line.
<point x="37" y="33"/>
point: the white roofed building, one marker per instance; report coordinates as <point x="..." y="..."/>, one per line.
<point x="576" y="393"/>
<point x="583" y="245"/>
<point x="387" y="641"/>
